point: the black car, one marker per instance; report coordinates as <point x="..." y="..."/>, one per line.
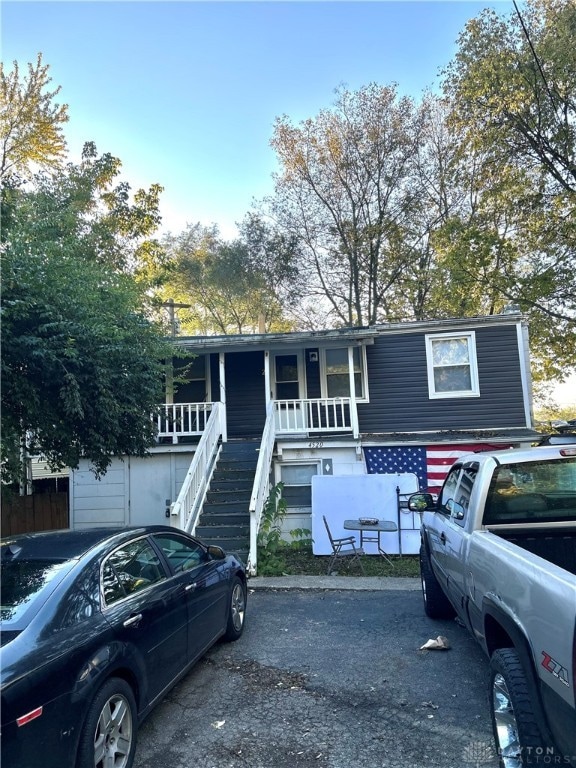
<point x="96" y="626"/>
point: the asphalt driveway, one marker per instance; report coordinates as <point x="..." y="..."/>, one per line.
<point x="332" y="679"/>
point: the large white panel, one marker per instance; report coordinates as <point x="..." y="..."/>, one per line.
<point x="344" y="497"/>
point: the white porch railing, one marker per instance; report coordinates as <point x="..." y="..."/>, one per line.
<point x="322" y="414"/>
<point x="261" y="487"/>
<point x="177" y="420"/>
<point x="186" y="509"/>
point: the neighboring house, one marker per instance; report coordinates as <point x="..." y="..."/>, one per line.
<point x="400" y="399"/>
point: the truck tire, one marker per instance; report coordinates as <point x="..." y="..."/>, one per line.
<point x="518" y="738"/>
<point x="436" y="604"/>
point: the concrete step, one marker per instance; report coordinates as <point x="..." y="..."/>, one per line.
<point x="223" y="532"/>
<point x="227" y="484"/>
<point x="236" y="465"/>
<point x="223" y="503"/>
<point x="224" y="518"/>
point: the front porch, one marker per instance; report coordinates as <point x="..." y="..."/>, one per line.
<point x="305" y="417"/>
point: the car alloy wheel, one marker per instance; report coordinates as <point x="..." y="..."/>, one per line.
<point x="108" y="738"/>
<point x="114" y="734"/>
<point x="236" y="610"/>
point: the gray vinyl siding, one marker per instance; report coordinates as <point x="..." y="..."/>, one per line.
<point x="214" y="378"/>
<point x="398" y="383"/>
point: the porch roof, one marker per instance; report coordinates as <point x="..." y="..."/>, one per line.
<point x="300" y="339"/>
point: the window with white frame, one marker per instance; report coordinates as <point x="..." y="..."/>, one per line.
<point x="192" y="379"/>
<point x="297" y="479"/>
<point x="452" y="366"/>
<point x="336" y="375"/>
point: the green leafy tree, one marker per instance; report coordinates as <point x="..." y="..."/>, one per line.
<point x="512" y="87"/>
<point x="30" y="121"/>
<point x="81" y="359"/>
<point x="231" y="287"/>
<point x="344" y="190"/>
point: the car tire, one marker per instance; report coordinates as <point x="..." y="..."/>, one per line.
<point x="109" y="733"/>
<point x="236" y="610"/>
<point x="436" y="604"/>
<point x="518" y="738"/>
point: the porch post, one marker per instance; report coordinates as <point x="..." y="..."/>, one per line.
<point x="267" y="378"/>
<point x="222" y="375"/>
<point x="169" y="377"/>
<point x="353" y="411"/>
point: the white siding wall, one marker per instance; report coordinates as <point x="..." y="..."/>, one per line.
<point x="132" y="492"/>
<point x="343" y="460"/>
<point x="99" y="502"/>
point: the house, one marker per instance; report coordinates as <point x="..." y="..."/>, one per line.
<point x="400" y="399"/>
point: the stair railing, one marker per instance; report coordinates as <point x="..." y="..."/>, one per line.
<point x="184" y="512"/>
<point x="261" y="487"/>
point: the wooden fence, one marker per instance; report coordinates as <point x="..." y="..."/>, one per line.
<point x="37" y="512"/>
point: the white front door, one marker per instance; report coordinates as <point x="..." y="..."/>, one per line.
<point x="288" y="386"/>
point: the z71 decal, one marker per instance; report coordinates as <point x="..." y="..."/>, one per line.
<point x="555" y="668"/>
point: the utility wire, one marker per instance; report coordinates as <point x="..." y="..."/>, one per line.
<point x="535" y="55"/>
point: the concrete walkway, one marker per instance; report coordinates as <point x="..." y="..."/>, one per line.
<point x="335" y="582"/>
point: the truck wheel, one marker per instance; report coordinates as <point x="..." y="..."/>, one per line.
<point x="518" y="738"/>
<point x="436" y="604"/>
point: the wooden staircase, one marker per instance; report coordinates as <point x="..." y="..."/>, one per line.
<point x="225" y="516"/>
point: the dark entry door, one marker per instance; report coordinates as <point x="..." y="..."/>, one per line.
<point x="245" y="394"/>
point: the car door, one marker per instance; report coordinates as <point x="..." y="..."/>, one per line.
<point x="438" y="528"/>
<point x="147" y="611"/>
<point x="206" y="587"/>
<point x="456" y="536"/>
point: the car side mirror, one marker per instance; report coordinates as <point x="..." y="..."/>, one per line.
<point x="458" y="512"/>
<point x="216" y="553"/>
<point x="455" y="509"/>
<point x="419" y="502"/>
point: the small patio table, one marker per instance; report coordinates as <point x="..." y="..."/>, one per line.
<point x="367" y="531"/>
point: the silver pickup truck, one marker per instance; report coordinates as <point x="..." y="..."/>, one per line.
<point x="499" y="551"/>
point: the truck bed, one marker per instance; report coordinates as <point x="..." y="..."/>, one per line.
<point x="557" y="546"/>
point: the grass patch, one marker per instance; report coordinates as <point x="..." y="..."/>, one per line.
<point x="301" y="562"/>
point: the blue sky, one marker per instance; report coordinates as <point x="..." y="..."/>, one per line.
<point x="186" y="93"/>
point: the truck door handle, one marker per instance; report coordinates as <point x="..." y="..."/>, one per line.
<point x="190" y="587"/>
<point x="443" y="538"/>
<point x="133" y="621"/>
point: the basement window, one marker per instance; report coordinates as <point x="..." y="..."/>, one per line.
<point x="297" y="479"/>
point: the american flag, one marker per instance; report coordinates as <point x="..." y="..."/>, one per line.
<point x="429" y="463"/>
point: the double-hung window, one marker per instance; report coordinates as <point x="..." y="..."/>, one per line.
<point x="297" y="480"/>
<point x="452" y="366"/>
<point x="336" y="379"/>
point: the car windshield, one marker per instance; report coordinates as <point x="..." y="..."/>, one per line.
<point x="532" y="492"/>
<point x="26" y="583"/>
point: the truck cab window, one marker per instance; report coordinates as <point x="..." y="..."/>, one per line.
<point x="448" y="494"/>
<point x="463" y="493"/>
